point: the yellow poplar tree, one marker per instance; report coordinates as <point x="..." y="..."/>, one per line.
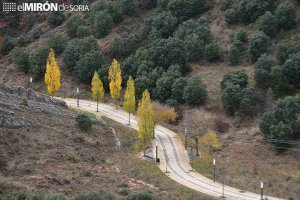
<point x="129" y="97"/>
<point x="145" y="120"/>
<point x="97" y="88"/>
<point x="115" y="78"/>
<point x="52" y="75"/>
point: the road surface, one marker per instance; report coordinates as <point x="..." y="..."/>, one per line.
<point x="172" y="155"/>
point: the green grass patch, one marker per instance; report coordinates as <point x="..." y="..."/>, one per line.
<point x="203" y="165"/>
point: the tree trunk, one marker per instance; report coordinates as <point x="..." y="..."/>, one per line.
<point x="97" y="105"/>
<point x="197" y="146"/>
<point x="129" y="118"/>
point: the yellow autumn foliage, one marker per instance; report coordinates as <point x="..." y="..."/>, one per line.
<point x="115" y="79"/>
<point x="52" y="75"/>
<point x="211" y="140"/>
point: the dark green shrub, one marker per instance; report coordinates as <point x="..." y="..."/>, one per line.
<point x="225" y="5"/>
<point x="84" y="122"/>
<point x="141" y="84"/>
<point x="213" y="52"/>
<point x="117" y="48"/>
<point x="291" y="70"/>
<point x="235" y="52"/>
<point x="72" y="25"/>
<point x="83" y="31"/>
<point x="195" y="92"/>
<point x="96" y="195"/>
<point x="258" y="44"/>
<point x="116" y="11"/>
<point x="278" y="82"/>
<point x="185" y="9"/>
<point x="251" y="10"/>
<point x="7" y="45"/>
<point x="284" y="50"/>
<point x="87" y="65"/>
<point x="282" y="123"/>
<point x="198" y="27"/>
<point x="56" y="197"/>
<point x="194" y="46"/>
<point x="231" y="97"/>
<point x="286" y="16"/>
<point x="239" y="78"/>
<point x="56" y="18"/>
<point x="178" y="89"/>
<point x="262" y="71"/>
<point x="23" y="195"/>
<point x="163" y="25"/>
<point x="141" y="196"/>
<point x="129" y="7"/>
<point x="267" y="23"/>
<point x="241" y="36"/>
<point x="132" y="42"/>
<point x="163" y="89"/>
<point x="162" y="5"/>
<point x="102" y="23"/>
<point x="58" y="43"/>
<point x="231" y="15"/>
<point x="20" y="58"/>
<point x="77" y="48"/>
<point x="247" y="102"/>
<point x="31" y="20"/>
<point x="37" y="61"/>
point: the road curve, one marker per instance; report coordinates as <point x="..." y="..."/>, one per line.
<point x="172" y="155"/>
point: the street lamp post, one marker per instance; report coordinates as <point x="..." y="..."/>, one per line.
<point x="156" y="151"/>
<point x="192" y="158"/>
<point x="77" y="91"/>
<point x="214" y="162"/>
<point x="185" y="141"/>
<point x="262" y="190"/>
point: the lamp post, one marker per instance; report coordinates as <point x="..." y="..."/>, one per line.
<point x="156" y="151"/>
<point x="185" y="138"/>
<point x="214" y="163"/>
<point x="77" y="91"/>
<point x="262" y="190"/>
<point x="192" y="158"/>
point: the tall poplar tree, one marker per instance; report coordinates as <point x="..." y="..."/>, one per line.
<point x="97" y="88"/>
<point x="52" y="75"/>
<point x="115" y="78"/>
<point x="129" y="97"/>
<point x="145" y="120"/>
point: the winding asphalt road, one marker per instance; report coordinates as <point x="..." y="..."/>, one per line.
<point x="172" y="155"/>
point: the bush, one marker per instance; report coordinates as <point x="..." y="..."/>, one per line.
<point x="132" y="42"/>
<point x="231" y="15"/>
<point x="141" y="196"/>
<point x="141" y="84"/>
<point x="195" y="47"/>
<point x="262" y="71"/>
<point x="84" y="122"/>
<point x="23" y="195"/>
<point x="282" y="124"/>
<point x="163" y="90"/>
<point x="7" y="45"/>
<point x="258" y="44"/>
<point x="20" y="58"/>
<point x="285" y="15"/>
<point x="162" y="25"/>
<point x="239" y="78"/>
<point x="278" y="82"/>
<point x="129" y="7"/>
<point x="72" y="25"/>
<point x="291" y="70"/>
<point x="195" y="92"/>
<point x="241" y="36"/>
<point x="225" y="5"/>
<point x="235" y="52"/>
<point x="58" y="43"/>
<point x="251" y="10"/>
<point x="56" y="18"/>
<point x="87" y="65"/>
<point x="102" y="24"/>
<point x="247" y="101"/>
<point x="185" y="9"/>
<point x="57" y="197"/>
<point x="284" y="50"/>
<point x="96" y="195"/>
<point x="83" y="31"/>
<point x="213" y="52"/>
<point x="178" y="89"/>
<point x="231" y="96"/>
<point x="267" y="23"/>
<point x="193" y="27"/>
<point x="77" y="48"/>
<point x="37" y="61"/>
